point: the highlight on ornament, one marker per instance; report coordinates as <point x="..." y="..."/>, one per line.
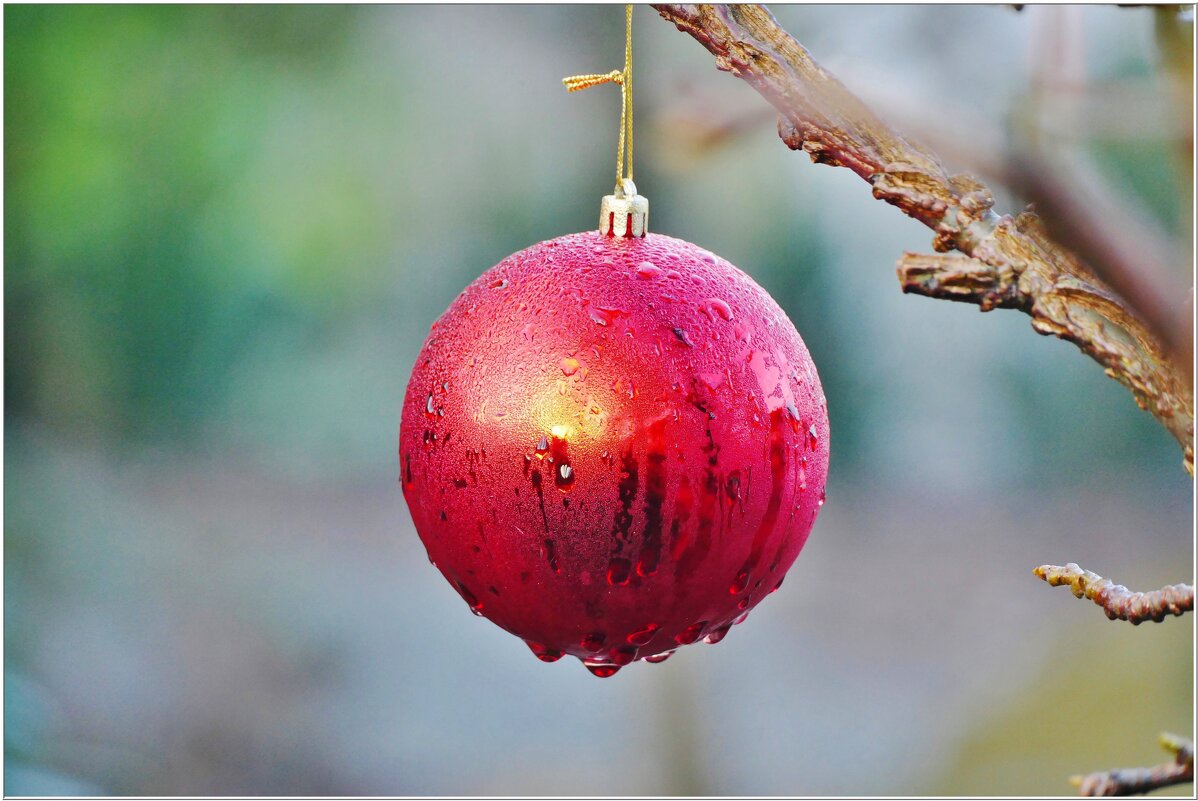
<point x="614" y="443"/>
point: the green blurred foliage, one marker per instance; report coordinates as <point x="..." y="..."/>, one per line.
<point x="156" y="224"/>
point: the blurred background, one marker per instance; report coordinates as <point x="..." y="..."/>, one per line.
<point x="227" y="231"/>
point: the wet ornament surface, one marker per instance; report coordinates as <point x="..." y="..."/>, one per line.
<point x="614" y="447"/>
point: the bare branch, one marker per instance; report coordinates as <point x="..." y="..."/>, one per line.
<point x="1118" y="601"/>
<point x="1012" y="262"/>
<point x="1134" y="781"/>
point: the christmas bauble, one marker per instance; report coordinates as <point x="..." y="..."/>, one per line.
<point x="613" y="446"/>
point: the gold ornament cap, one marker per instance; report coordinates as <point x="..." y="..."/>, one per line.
<point x="624" y="214"/>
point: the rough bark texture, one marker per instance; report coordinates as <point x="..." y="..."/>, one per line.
<point x="1118" y="601"/>
<point x="1000" y="261"/>
<point x="1134" y="781"/>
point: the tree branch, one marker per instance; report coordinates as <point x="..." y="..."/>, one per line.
<point x="1134" y="781"/>
<point x="952" y="276"/>
<point x="1011" y="262"/>
<point x="1118" y="601"/>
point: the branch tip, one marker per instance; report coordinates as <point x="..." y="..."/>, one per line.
<point x="1118" y="601"/>
<point x="1135" y="781"/>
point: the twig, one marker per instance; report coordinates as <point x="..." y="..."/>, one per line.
<point x="1011" y="261"/>
<point x="1134" y="781"/>
<point x="1118" y="601"/>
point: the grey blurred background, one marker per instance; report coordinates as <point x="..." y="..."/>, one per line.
<point x="227" y="230"/>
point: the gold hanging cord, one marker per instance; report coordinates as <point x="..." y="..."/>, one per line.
<point x="624" y="78"/>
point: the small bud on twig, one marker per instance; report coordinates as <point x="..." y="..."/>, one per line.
<point x="1133" y="781"/>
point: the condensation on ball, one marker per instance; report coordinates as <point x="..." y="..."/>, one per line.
<point x="614" y="447"/>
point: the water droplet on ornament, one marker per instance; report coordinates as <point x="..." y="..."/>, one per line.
<point x="742" y="604"/>
<point x="732" y="490"/>
<point x="476" y="606"/>
<point x="550" y="553"/>
<point x="776" y="586"/>
<point x="714" y="307"/>
<point x="542" y="447"/>
<point x="622" y="655"/>
<point x="647" y="564"/>
<point x="812" y="437"/>
<point x="543" y="653"/>
<point x="643" y="636"/>
<point x="718" y="634"/>
<point x="563" y="477"/>
<point x="618" y="572"/>
<point x="593" y="641"/>
<point x="691" y="633"/>
<point x="658" y="658"/>
<point x="569" y="365"/>
<point x="602" y="669"/>
<point x="823" y="497"/>
<point x="647" y="271"/>
<point x="605" y="316"/>
<point x="741" y="618"/>
<point x="793" y="411"/>
<point x="683" y="337"/>
<point x="499" y="283"/>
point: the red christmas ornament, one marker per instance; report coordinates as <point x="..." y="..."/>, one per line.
<point x="614" y="443"/>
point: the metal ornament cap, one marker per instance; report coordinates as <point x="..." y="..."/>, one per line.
<point x="624" y="214"/>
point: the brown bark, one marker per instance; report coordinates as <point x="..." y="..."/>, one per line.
<point x="1118" y="601"/>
